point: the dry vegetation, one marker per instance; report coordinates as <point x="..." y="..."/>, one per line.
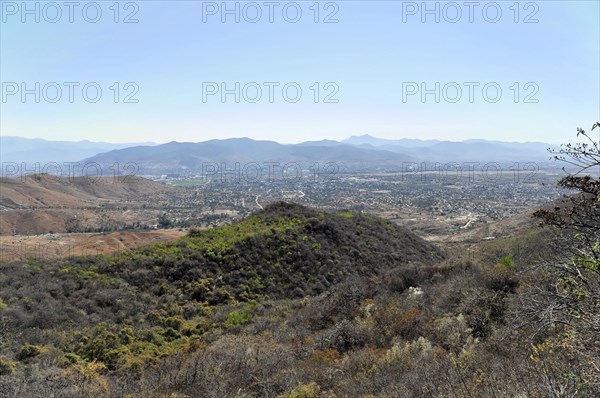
<point x="289" y="302"/>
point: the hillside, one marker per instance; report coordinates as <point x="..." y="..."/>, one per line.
<point x="43" y="203"/>
<point x="43" y="190"/>
<point x="289" y="302"/>
<point x="284" y="251"/>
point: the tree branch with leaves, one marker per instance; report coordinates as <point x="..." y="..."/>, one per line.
<point x="572" y="295"/>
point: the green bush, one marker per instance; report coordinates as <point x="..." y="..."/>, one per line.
<point x="72" y="358"/>
<point x="29" y="351"/>
<point x="507" y="261"/>
<point x="238" y="318"/>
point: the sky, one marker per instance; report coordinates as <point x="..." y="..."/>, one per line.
<point x="296" y="71"/>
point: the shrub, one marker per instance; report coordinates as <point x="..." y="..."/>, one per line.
<point x="7" y="366"/>
<point x="311" y="390"/>
<point x="29" y="351"/>
<point x="507" y="261"/>
<point x="72" y="358"/>
<point x="237" y="318"/>
<point x="502" y="279"/>
<point x="174" y="322"/>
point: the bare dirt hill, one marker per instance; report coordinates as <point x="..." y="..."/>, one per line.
<point x="39" y="204"/>
<point x="51" y="191"/>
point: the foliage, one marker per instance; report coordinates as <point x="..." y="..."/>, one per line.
<point x="7" y="366"/>
<point x="311" y="390"/>
<point x="571" y="302"/>
<point x="238" y="318"/>
<point x="290" y="302"/>
<point x="507" y="261"/>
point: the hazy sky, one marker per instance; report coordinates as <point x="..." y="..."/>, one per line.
<point x="368" y="65"/>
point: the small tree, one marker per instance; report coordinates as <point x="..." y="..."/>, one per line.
<point x="164" y="221"/>
<point x="579" y="214"/>
<point x="573" y="299"/>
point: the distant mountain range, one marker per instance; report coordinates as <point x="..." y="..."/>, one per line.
<point x="367" y="139"/>
<point x="31" y="150"/>
<point x="178" y="156"/>
<point x="458" y="151"/>
<point x="357" y="153"/>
